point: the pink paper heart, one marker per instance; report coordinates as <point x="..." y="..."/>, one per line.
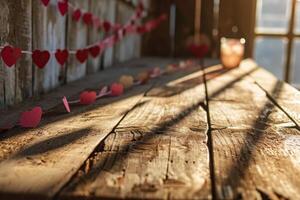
<point x="63" y="7"/>
<point x="31" y="119"/>
<point x="66" y="104"/>
<point x="10" y="55"/>
<point x="87" y="97"/>
<point x="45" y="2"/>
<point x="117" y="89"/>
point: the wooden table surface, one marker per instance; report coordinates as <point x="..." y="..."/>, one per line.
<point x="194" y="134"/>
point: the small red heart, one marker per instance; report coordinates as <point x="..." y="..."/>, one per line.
<point x="82" y="55"/>
<point x="117" y="89"/>
<point x="107" y="26"/>
<point x="141" y="29"/>
<point x="199" y="50"/>
<point x="45" y="2"/>
<point x="87" y="98"/>
<point x="88" y="18"/>
<point x="31" y="119"/>
<point x="40" y="58"/>
<point x="62" y="56"/>
<point x="10" y="55"/>
<point x="94" y="51"/>
<point x="63" y="7"/>
<point x="76" y="15"/>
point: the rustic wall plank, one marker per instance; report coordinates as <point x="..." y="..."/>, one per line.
<point x="16" y="30"/>
<point x="108" y="12"/>
<point x="94" y="35"/>
<point x="129" y="47"/>
<point x="77" y="34"/>
<point x="250" y="137"/>
<point x="49" y="32"/>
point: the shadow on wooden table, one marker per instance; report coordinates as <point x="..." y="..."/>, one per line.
<point x="160" y="129"/>
<point x="238" y="169"/>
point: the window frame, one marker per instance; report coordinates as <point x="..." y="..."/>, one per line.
<point x="290" y="36"/>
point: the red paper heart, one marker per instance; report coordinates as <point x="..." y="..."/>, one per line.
<point x="31" y="119"/>
<point x="117" y="89"/>
<point x="40" y="58"/>
<point x="199" y="50"/>
<point x="63" y="7"/>
<point x="10" y="55"/>
<point x="107" y="26"/>
<point x="141" y="29"/>
<point x="87" y="98"/>
<point x="76" y="15"/>
<point x="94" y="51"/>
<point x="82" y="55"/>
<point x="62" y="56"/>
<point x="88" y="18"/>
<point x="45" y="2"/>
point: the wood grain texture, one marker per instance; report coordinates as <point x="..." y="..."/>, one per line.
<point x="16" y="30"/>
<point x="37" y="163"/>
<point x="254" y="146"/>
<point x="157" y="152"/>
<point x="286" y="95"/>
<point x="49" y="32"/>
<point x="77" y="38"/>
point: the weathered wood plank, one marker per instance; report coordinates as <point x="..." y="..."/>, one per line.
<point x="108" y="12"/>
<point x="157" y="152"/>
<point x="286" y="95"/>
<point x="2" y="90"/>
<point x="129" y="47"/>
<point x="95" y="35"/>
<point x="77" y="38"/>
<point x="49" y="32"/>
<point x="252" y="153"/>
<point x="37" y="163"/>
<point x="16" y="30"/>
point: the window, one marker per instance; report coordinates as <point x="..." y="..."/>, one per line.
<point x="277" y="38"/>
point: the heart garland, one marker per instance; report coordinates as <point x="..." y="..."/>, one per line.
<point x="10" y="55"/>
<point x="88" y="18"/>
